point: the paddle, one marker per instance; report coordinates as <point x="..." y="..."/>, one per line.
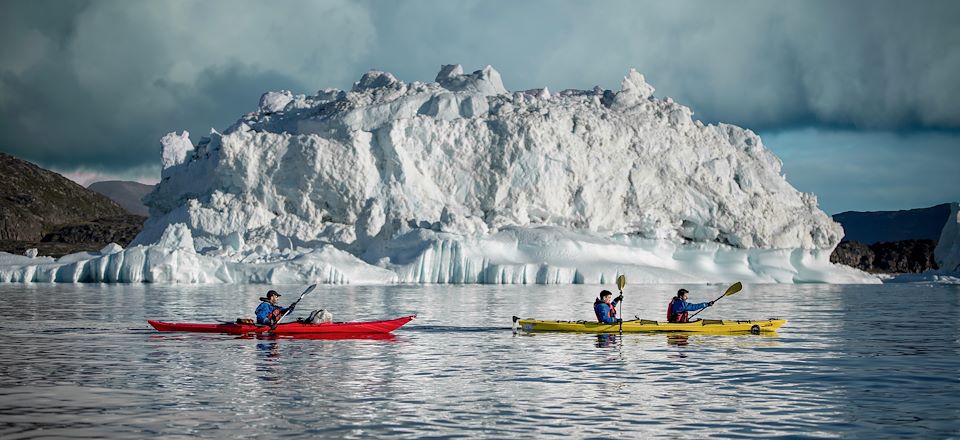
<point x="621" y="281"/>
<point x="290" y="309"/>
<point x="736" y="287"/>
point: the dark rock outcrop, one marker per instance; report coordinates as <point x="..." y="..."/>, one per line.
<point x="854" y="254"/>
<point x="121" y="230"/>
<point x="904" y="256"/>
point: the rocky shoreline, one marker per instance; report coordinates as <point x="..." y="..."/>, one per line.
<point x="88" y="236"/>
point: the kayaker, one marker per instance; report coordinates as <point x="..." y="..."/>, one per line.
<point x="268" y="312"/>
<point x="678" y="308"/>
<point x="605" y="307"/>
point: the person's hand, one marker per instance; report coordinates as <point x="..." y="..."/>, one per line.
<point x="709" y="303"/>
<point x="620" y="298"/>
<point x="619" y="320"/>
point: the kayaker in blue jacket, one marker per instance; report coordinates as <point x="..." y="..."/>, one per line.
<point x="678" y="308"/>
<point x="268" y="312"/>
<point x="605" y="307"/>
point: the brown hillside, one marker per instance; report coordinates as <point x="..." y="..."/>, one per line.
<point x="35" y="201"/>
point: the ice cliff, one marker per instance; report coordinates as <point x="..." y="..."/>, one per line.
<point x="947" y="252"/>
<point x="462" y="181"/>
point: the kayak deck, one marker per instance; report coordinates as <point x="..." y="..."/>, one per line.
<point x="709" y="326"/>
<point x="290" y="328"/>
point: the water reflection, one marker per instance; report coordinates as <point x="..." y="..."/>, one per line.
<point x="325" y="336"/>
<point x="270" y="350"/>
<point x="606" y="340"/>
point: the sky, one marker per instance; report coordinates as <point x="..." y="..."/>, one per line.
<point x="860" y="99"/>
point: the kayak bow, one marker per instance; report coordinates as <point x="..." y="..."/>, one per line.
<point x="290" y="328"/>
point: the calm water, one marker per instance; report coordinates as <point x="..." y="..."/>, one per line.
<point x="854" y="361"/>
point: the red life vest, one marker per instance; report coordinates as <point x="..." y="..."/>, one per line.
<point x="275" y="314"/>
<point x="675" y="317"/>
<point x="612" y="313"/>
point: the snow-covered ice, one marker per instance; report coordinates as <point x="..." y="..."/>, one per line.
<point x="947" y="252"/>
<point x="462" y="181"/>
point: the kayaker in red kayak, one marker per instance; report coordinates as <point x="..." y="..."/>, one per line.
<point x="605" y="307"/>
<point x="678" y="308"/>
<point x="268" y="311"/>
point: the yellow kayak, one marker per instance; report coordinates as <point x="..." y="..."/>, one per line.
<point x="710" y="326"/>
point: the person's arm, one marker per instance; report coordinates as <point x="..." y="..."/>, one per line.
<point x="262" y="313"/>
<point x="691" y="307"/>
<point x="617" y="300"/>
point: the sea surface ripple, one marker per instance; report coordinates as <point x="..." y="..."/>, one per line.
<point x="878" y="361"/>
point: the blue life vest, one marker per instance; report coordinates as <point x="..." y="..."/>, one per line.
<point x="612" y="313"/>
<point x="267" y="313"/>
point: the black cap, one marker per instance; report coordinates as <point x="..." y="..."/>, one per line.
<point x="604" y="293"/>
<point x="681" y="292"/>
<point x="272" y="293"/>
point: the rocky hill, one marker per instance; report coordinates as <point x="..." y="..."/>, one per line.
<point x="909" y="224"/>
<point x="44" y="210"/>
<point x="891" y="241"/>
<point x="127" y="194"/>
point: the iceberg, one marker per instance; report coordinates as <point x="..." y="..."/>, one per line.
<point x="462" y="181"/>
<point x="947" y="252"/>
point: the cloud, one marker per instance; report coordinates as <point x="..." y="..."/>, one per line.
<point x="146" y="175"/>
<point x="94" y="85"/>
<point x="100" y="83"/>
<point x="870" y="171"/>
<point x="870" y="64"/>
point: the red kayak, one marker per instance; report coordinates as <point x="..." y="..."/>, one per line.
<point x="290" y="328"/>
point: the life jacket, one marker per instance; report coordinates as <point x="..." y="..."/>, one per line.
<point x="275" y="314"/>
<point x="612" y="313"/>
<point x="675" y="317"/>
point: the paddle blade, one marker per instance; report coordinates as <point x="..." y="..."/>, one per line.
<point x="309" y="289"/>
<point x="736" y="287"/>
<point x="621" y="281"/>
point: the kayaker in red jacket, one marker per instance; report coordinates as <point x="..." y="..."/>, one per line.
<point x="605" y="308"/>
<point x="268" y="312"/>
<point x="678" y="308"/>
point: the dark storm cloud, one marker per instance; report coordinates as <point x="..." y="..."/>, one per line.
<point x="96" y="84"/>
<point x="873" y="64"/>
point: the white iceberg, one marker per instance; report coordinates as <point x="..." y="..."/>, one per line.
<point x="462" y="181"/>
